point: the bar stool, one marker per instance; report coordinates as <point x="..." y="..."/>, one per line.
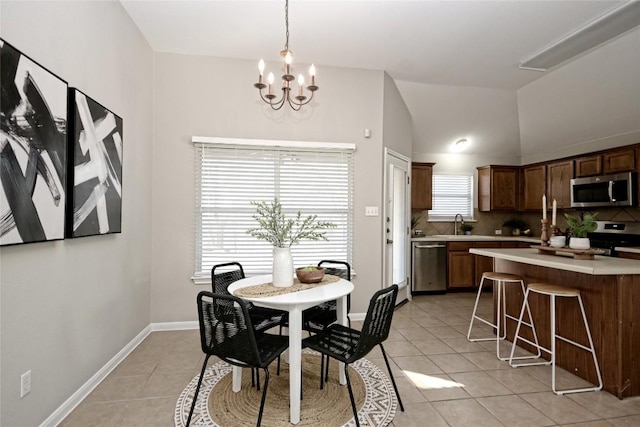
<point x="501" y="279"/>
<point x="555" y="291"/>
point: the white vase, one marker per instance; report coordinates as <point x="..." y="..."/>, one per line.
<point x="579" y="243"/>
<point x="282" y="267"/>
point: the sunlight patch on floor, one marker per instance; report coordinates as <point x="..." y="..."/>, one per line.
<point x="427" y="382"/>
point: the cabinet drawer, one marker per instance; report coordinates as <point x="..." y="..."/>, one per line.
<point x="459" y="246"/>
<point x="515" y="245"/>
<point x="486" y="244"/>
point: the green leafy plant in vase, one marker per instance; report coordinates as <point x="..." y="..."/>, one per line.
<point x="283" y="232"/>
<point x="579" y="229"/>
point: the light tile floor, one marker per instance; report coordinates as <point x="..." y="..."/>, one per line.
<point x="444" y="379"/>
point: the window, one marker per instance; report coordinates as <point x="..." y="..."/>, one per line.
<point x="452" y="194"/>
<point x="315" y="178"/>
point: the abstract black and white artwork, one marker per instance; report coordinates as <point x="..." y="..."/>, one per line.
<point x="33" y="150"/>
<point x="95" y="168"/>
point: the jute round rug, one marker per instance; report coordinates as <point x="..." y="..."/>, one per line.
<point x="219" y="406"/>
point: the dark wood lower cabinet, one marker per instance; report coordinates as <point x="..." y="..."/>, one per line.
<point x="611" y="304"/>
<point x="464" y="270"/>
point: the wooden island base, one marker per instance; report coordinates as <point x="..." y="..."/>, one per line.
<point x="612" y="306"/>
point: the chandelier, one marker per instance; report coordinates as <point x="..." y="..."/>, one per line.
<point x="295" y="102"/>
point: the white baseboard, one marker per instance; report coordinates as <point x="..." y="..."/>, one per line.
<point x="357" y="316"/>
<point x="76" y="398"/>
<point x="175" y="326"/>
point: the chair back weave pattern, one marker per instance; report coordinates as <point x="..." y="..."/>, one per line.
<point x="378" y="321"/>
<point x="226" y="330"/>
<point x="336" y="268"/>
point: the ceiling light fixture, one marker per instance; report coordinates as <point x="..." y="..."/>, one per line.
<point x="295" y="102"/>
<point x="606" y="27"/>
<point x="459" y="145"/>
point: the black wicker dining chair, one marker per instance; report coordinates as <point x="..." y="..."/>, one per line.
<point x="348" y="345"/>
<point x="319" y="317"/>
<point x="226" y="331"/>
<point x="262" y="318"/>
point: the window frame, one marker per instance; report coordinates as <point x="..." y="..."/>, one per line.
<point x="469" y="215"/>
<point x="201" y="275"/>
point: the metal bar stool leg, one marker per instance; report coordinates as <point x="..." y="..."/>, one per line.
<point x="553" y="292"/>
<point x="501" y="280"/>
<point x="516" y="337"/>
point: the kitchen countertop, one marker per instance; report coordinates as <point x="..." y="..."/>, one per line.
<point x="474" y="238"/>
<point x="600" y="265"/>
<point x="627" y="249"/>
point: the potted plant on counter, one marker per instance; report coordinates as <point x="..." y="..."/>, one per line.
<point x="282" y="232"/>
<point x="466" y="228"/>
<point x="516" y="224"/>
<point x="578" y="229"/>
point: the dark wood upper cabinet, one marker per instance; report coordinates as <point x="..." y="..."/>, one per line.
<point x="421" y="185"/>
<point x="588" y="166"/>
<point x="534" y="179"/>
<point x="615" y="161"/>
<point x="498" y="188"/>
<point x="559" y="175"/>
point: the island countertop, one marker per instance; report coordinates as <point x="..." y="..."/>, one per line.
<point x="600" y="265"/>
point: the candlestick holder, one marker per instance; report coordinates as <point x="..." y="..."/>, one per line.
<point x="544" y="237"/>
<point x="555" y="231"/>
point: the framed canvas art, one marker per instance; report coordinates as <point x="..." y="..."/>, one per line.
<point x="95" y="168"/>
<point x="33" y="150"/>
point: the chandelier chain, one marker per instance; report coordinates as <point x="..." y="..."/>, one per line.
<point x="286" y="24"/>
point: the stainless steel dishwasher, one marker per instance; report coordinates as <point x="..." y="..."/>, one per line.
<point x="429" y="267"/>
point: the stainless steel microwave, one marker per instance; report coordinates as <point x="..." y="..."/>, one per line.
<point x="604" y="190"/>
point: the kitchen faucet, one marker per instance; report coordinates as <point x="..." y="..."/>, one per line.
<point x="455" y="223"/>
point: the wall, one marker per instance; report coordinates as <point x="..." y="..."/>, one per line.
<point x="590" y="104"/>
<point x="442" y="114"/>
<point x="67" y="307"/>
<point x="207" y="96"/>
<point x="397" y="123"/>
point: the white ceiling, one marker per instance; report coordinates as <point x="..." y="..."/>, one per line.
<point x="466" y="43"/>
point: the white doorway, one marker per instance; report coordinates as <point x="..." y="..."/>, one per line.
<point x="396" y="223"/>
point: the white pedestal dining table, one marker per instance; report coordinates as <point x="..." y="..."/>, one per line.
<point x="294" y="303"/>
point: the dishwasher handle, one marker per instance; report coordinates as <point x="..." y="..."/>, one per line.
<point x="429" y="246"/>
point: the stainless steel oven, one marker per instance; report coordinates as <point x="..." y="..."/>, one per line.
<point x="429" y="267"/>
<point x="612" y="234"/>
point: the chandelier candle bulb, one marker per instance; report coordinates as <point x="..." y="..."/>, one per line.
<point x="270" y="80"/>
<point x="261" y="69"/>
<point x="312" y="73"/>
<point x="301" y="83"/>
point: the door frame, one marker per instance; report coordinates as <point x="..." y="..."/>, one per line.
<point x="397" y="156"/>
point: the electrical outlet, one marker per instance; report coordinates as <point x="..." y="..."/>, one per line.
<point x="371" y="211"/>
<point x="498" y="232"/>
<point x="25" y="384"/>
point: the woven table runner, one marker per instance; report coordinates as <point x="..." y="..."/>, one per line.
<point x="268" y="290"/>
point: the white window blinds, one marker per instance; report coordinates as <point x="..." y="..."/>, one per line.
<point x="452" y="194"/>
<point x="315" y="181"/>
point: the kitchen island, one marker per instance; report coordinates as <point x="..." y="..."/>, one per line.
<point x="610" y="289"/>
